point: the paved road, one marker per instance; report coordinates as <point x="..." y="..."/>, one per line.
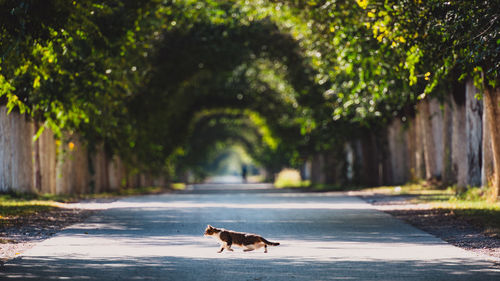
<point x="323" y="236"/>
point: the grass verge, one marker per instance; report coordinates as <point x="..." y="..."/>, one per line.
<point x="13" y="207"/>
<point x="25" y="204"/>
<point x="472" y="204"/>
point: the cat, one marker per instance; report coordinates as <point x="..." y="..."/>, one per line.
<point x="247" y="241"/>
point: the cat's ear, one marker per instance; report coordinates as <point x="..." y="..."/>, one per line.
<point x="209" y="226"/>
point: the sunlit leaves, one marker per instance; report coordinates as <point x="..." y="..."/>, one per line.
<point x="112" y="69"/>
<point x="265" y="132"/>
<point x="362" y="3"/>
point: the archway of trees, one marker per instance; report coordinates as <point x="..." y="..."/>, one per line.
<point x="141" y="77"/>
<point x="224" y="133"/>
<point x="244" y="67"/>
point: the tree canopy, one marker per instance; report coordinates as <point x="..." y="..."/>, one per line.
<point x="163" y="82"/>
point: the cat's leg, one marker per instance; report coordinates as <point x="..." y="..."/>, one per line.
<point x="222" y="247"/>
<point x="265" y="248"/>
<point x="229" y="244"/>
<point x="226" y="246"/>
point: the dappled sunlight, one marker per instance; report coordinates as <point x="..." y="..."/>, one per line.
<point x="327" y="236"/>
<point x="127" y="97"/>
<point x="231" y="268"/>
<point x="263" y="201"/>
<point x="198" y="247"/>
<point x="187" y="204"/>
<point x="190" y="256"/>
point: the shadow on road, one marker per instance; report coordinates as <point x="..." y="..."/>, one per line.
<point x="323" y="236"/>
<point x="161" y="268"/>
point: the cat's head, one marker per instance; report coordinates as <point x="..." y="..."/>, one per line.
<point x="210" y="230"/>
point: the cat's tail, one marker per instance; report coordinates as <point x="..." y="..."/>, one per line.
<point x="270" y="243"/>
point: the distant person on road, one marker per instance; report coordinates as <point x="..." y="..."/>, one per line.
<point x="244" y="173"/>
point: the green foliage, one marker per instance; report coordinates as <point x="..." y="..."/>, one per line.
<point x="153" y="79"/>
<point x="446" y="35"/>
<point x="206" y="66"/>
<point x="289" y="178"/>
<point x="215" y="132"/>
<point x="60" y="63"/>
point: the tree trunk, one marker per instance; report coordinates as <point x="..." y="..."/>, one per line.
<point x="448" y="177"/>
<point x="305" y="172"/>
<point x="473" y="129"/>
<point x="37" y="169"/>
<point x="412" y="148"/>
<point x="459" y="138"/>
<point x="428" y="141"/>
<point x="437" y="125"/>
<point x="116" y="173"/>
<point x="48" y="161"/>
<point x="487" y="159"/>
<point x="420" y="172"/>
<point x="73" y="169"/>
<point x="492" y="107"/>
<point x="16" y="152"/>
<point x="371" y="170"/>
<point x="349" y="159"/>
<point x="357" y="163"/>
<point x="383" y="156"/>
<point x="100" y="175"/>
<point x="398" y="151"/>
<point x="317" y="169"/>
<point x="331" y="163"/>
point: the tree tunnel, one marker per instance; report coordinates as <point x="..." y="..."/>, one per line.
<point x="226" y="132"/>
<point x="129" y="79"/>
<point x="224" y="136"/>
<point x="211" y="83"/>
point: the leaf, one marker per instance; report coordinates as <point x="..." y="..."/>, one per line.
<point x="362" y="3"/>
<point x="38" y="133"/>
<point x="36" y="82"/>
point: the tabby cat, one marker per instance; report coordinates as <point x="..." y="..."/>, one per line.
<point x="248" y="242"/>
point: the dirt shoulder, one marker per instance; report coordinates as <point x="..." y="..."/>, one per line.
<point x="20" y="233"/>
<point x="445" y="224"/>
<point x="30" y="218"/>
<point x="31" y="221"/>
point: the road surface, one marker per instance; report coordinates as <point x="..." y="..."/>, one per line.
<point x="323" y="236"/>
